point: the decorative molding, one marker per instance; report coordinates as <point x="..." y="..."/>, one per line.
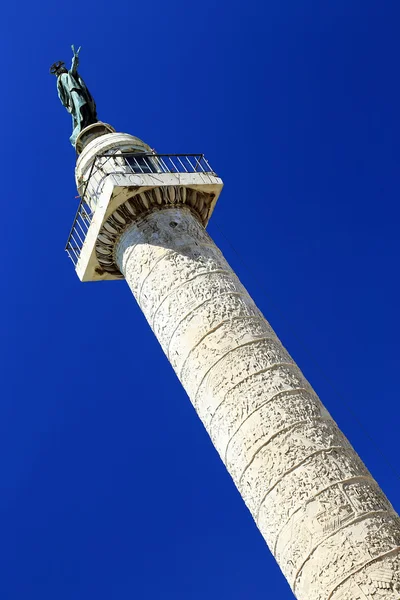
<point x="139" y="206"/>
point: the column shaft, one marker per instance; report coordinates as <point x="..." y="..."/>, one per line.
<point x="328" y="524"/>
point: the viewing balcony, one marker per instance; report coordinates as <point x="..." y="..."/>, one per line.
<point x="114" y="178"/>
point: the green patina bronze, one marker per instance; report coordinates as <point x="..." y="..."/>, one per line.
<point x="74" y="95"/>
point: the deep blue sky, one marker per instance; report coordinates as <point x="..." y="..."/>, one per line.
<point x="110" y="487"/>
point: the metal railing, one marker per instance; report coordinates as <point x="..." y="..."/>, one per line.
<point x="125" y="162"/>
<point x="78" y="232"/>
<point x="162" y="163"/>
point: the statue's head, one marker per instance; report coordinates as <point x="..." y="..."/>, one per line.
<point x="58" y="68"/>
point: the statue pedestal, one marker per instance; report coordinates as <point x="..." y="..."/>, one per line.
<point x="90" y="133"/>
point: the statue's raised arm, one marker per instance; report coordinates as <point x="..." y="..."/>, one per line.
<point x="75" y="59"/>
<point x="74" y="95"/>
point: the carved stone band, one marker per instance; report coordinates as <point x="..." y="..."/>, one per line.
<point x="140" y="205"/>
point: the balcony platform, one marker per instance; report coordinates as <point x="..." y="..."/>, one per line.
<point x="134" y="179"/>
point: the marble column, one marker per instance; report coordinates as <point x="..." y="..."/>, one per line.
<point x="330" y="527"/>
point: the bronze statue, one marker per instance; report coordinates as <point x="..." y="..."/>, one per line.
<point x="74" y="95"/>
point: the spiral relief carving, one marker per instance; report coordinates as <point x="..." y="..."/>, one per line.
<point x="330" y="527"/>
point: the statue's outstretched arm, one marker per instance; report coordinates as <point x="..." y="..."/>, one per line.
<point x="75" y="59"/>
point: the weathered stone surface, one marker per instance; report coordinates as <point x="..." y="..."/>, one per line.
<point x="255" y="378"/>
<point x="280" y="414"/>
<point x="207" y="314"/>
<point x="284" y="452"/>
<point x="325" y="515"/>
<point x="301" y="485"/>
<point x="332" y="530"/>
<point x="346" y="552"/>
<point x="380" y="580"/>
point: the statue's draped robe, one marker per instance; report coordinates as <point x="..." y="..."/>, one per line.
<point x="77" y="99"/>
